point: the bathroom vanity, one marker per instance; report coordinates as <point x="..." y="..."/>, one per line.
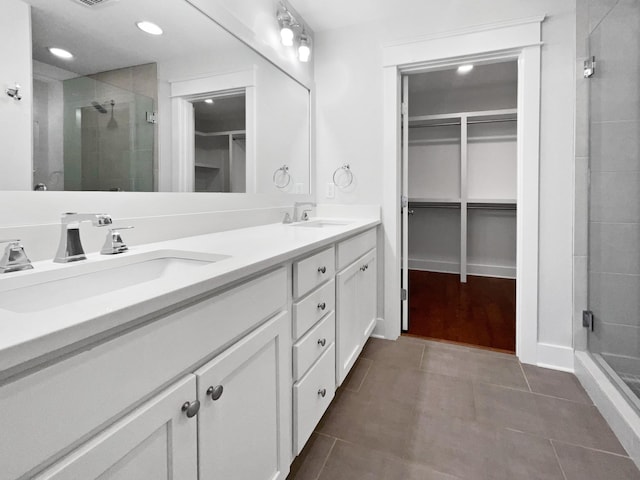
<point x="215" y="357"/>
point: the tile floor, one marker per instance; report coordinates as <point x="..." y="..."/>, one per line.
<point x="420" y="410"/>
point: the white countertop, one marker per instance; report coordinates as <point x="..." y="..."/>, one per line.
<point x="25" y="336"/>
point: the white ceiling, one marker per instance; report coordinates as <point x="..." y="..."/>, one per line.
<point x="105" y="37"/>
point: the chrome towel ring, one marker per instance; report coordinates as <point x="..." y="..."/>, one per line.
<point x="343" y="173"/>
<point x="282" y="177"/>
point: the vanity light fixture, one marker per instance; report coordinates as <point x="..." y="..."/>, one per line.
<point x="60" y="52"/>
<point x="150" y="28"/>
<point x="286" y="28"/>
<point x="304" y="48"/>
<point x="464" y="69"/>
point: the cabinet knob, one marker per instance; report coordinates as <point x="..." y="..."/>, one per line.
<point x="191" y="409"/>
<point x="322" y="342"/>
<point x="215" y="392"/>
<point x="362" y="269"/>
<point x="322" y="392"/>
<point x="322" y="269"/>
<point x="322" y="306"/>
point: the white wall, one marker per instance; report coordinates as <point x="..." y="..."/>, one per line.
<point x="15" y="116"/>
<point x="348" y="73"/>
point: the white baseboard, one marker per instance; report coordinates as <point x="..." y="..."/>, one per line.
<point x="379" y="330"/>
<point x="556" y="357"/>
<point x="614" y="407"/>
<point x="497" y="271"/>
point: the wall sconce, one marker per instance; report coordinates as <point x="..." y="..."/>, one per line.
<point x="14" y="92"/>
<point x="291" y="32"/>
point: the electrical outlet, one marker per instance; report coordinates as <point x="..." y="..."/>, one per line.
<point x="331" y="190"/>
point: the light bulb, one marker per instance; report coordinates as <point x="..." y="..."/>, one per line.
<point x="304" y="50"/>
<point x="286" y="35"/>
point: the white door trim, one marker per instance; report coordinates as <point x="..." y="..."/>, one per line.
<point x="518" y="40"/>
<point x="182" y="123"/>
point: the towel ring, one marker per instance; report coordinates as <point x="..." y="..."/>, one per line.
<point x="284" y="176"/>
<point x="346" y="170"/>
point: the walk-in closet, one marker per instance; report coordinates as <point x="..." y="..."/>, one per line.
<point x="462" y="209"/>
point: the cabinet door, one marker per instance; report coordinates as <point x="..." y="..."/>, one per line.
<point x="156" y="441"/>
<point x="244" y="424"/>
<point x="368" y="293"/>
<point x="349" y="332"/>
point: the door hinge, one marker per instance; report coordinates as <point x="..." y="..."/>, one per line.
<point x="587" y="319"/>
<point x="404" y="294"/>
<point x="589" y="67"/>
<point x="404" y="201"/>
<point x="152" y="117"/>
<point x="404" y="109"/>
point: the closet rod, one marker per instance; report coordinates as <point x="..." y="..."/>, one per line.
<point x="491" y="206"/>
<point x="469" y="122"/>
<point x="434" y="205"/>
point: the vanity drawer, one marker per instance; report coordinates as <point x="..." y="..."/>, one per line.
<point x="309" y="310"/>
<point x="312" y="271"/>
<point x="353" y="248"/>
<point x="313" y="344"/>
<point x="57" y="407"/>
<point x="308" y="402"/>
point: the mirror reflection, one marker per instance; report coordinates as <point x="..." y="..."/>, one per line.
<point x="190" y="109"/>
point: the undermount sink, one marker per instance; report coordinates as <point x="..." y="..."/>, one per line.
<point x="320" y="223"/>
<point x="54" y="288"/>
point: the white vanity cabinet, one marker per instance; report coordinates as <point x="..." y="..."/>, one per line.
<point x="314" y="342"/>
<point x="117" y="406"/>
<point x="356" y="299"/>
<point x="242" y="404"/>
<point x="156" y="441"/>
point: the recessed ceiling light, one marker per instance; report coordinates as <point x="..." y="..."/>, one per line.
<point x="60" y="52"/>
<point x="462" y="69"/>
<point x="209" y="101"/>
<point x="150" y="28"/>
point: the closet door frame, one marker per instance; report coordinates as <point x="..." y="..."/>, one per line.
<point x="518" y="40"/>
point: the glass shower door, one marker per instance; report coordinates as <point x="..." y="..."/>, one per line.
<point x="614" y="195"/>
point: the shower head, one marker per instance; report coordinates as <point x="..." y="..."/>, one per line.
<point x="99" y="107"/>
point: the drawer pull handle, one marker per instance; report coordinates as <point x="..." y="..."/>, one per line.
<point x="322" y="342"/>
<point x="322" y="306"/>
<point x="322" y="269"/>
<point x="215" y="392"/>
<point x="191" y="409"/>
<point x="322" y="392"/>
<point x="363" y="268"/>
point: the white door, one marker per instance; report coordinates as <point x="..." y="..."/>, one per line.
<point x="243" y="424"/>
<point x="156" y="441"/>
<point x="405" y="202"/>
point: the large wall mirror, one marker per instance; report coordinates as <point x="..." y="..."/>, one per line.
<point x="191" y="109"/>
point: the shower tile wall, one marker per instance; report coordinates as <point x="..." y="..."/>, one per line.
<point x="113" y="148"/>
<point x="614" y="207"/>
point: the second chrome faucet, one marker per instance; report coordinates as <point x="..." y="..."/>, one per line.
<point x="70" y="247"/>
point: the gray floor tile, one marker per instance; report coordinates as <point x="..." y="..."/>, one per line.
<point x="353" y="462"/>
<point x="309" y="464"/>
<point x="554" y="383"/>
<point x="400" y="386"/>
<point x="372" y="422"/>
<point x="480" y="367"/>
<point x="583" y="464"/>
<point x="441" y="395"/>
<point x="577" y="424"/>
<point x="524" y="456"/>
<point x="508" y="408"/>
<point x="357" y="374"/>
<point x="393" y="353"/>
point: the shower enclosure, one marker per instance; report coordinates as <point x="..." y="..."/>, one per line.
<point x="614" y="192"/>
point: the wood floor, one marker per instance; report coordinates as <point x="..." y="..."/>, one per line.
<point x="481" y="312"/>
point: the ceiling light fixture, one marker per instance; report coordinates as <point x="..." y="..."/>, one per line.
<point x="60" y="52"/>
<point x="304" y="48"/>
<point x="463" y="69"/>
<point x="150" y="28"/>
<point x="209" y="101"/>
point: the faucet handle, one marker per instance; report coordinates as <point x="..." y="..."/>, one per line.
<point x="14" y="258"/>
<point x="114" y="244"/>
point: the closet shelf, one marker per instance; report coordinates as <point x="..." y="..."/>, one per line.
<point x="204" y="165"/>
<point x="452" y="119"/>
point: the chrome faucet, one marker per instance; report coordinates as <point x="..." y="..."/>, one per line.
<point x="305" y="213"/>
<point x="14" y="258"/>
<point x="70" y="248"/>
